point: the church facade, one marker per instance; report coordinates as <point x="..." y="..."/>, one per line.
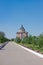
<point x="21" y="33"/>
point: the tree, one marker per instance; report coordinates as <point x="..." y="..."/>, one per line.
<point x="3" y="38"/>
<point x="25" y="40"/>
<point x="30" y="39"/>
<point x="12" y="39"/>
<point x="34" y="40"/>
<point x="40" y="40"/>
<point x="2" y="34"/>
<point x="17" y="40"/>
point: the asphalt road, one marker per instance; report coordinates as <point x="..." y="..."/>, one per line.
<point x="13" y="54"/>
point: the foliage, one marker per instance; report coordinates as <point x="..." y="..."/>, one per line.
<point x="12" y="39"/>
<point x="3" y="38"/>
<point x="2" y="34"/>
<point x="33" y="42"/>
<point x="17" y="40"/>
<point x="25" y="40"/>
<point x="30" y="39"/>
<point x="40" y="41"/>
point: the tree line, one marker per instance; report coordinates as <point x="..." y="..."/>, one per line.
<point x="2" y="37"/>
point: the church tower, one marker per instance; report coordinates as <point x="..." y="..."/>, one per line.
<point x="21" y="33"/>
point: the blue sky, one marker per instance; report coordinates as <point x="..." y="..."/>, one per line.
<point x="14" y="13"/>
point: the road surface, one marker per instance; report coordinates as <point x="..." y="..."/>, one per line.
<point x="13" y="54"/>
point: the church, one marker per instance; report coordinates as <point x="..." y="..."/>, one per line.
<point x="21" y="33"/>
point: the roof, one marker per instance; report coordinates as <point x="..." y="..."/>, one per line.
<point x="22" y="28"/>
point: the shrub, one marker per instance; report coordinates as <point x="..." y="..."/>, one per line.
<point x="17" y="40"/>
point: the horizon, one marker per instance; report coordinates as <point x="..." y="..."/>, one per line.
<point x="14" y="13"/>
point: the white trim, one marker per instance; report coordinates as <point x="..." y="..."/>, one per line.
<point x="38" y="54"/>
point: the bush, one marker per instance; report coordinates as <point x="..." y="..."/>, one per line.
<point x="41" y="43"/>
<point x="17" y="40"/>
<point x="25" y="40"/>
<point x="3" y="38"/>
<point x="12" y="39"/>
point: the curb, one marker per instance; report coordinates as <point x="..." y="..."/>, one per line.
<point x="35" y="53"/>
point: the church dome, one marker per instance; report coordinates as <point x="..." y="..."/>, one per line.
<point x="22" y="29"/>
